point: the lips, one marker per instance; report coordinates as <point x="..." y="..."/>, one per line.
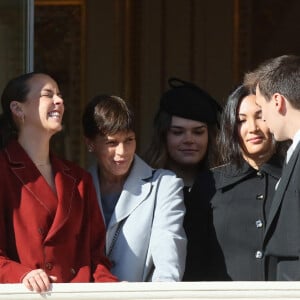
<point x="257" y="139"/>
<point x="189" y="152"/>
<point x="188" y="149"/>
<point x="120" y="162"/>
<point x="54" y="114"/>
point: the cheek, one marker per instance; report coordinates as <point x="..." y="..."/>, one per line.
<point x="202" y="140"/>
<point x="241" y="134"/>
<point x="265" y="129"/>
<point x="171" y="147"/>
<point x="240" y="129"/>
<point x="103" y="154"/>
<point x="172" y="141"/>
<point x="205" y="140"/>
<point x="264" y="111"/>
<point x="132" y="149"/>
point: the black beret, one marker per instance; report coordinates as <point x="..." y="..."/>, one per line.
<point x="186" y="100"/>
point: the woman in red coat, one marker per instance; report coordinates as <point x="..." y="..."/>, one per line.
<point x="51" y="229"/>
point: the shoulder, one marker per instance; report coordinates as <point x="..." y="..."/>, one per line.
<point x="69" y="167"/>
<point x="5" y="165"/>
<point x="3" y="157"/>
<point x="273" y="167"/>
<point x="147" y="172"/>
<point x="164" y="172"/>
<point x="204" y="184"/>
<point x="166" y="180"/>
<point x="211" y="176"/>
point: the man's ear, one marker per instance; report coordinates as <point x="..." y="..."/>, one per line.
<point x="280" y="103"/>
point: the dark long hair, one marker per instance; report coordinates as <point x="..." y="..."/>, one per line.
<point x="228" y="138"/>
<point x="16" y="89"/>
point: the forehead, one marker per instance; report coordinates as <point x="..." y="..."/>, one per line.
<point x="186" y="123"/>
<point x="259" y="97"/>
<point x="40" y="81"/>
<point x="118" y="136"/>
<point x="248" y="105"/>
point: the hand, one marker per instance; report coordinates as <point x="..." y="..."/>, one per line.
<point x="38" y="281"/>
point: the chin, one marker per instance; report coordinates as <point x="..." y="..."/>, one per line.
<point x="189" y="163"/>
<point x="53" y="131"/>
<point x="59" y="128"/>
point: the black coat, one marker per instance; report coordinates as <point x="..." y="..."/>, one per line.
<point x="239" y="201"/>
<point x="196" y="223"/>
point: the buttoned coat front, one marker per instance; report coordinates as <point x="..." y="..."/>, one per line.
<point x="239" y="210"/>
<point x="240" y="200"/>
<point x="62" y="234"/>
<point x="151" y="244"/>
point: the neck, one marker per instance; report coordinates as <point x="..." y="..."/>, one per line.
<point x="36" y="149"/>
<point x="257" y="162"/>
<point x="110" y="183"/>
<point x="187" y="173"/>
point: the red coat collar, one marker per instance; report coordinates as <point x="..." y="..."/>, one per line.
<point x="32" y="180"/>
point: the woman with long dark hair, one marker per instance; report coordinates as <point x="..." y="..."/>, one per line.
<point x="241" y="191"/>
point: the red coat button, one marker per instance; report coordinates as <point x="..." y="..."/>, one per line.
<point x="49" y="266"/>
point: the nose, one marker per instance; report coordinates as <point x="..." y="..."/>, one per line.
<point x="120" y="149"/>
<point x="188" y="138"/>
<point x="58" y="99"/>
<point x="253" y="125"/>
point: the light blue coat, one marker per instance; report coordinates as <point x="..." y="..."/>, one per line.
<point x="151" y="245"/>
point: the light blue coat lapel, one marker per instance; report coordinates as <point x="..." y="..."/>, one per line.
<point x="94" y="172"/>
<point x="136" y="189"/>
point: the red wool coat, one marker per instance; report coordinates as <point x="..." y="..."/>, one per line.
<point x="63" y="234"/>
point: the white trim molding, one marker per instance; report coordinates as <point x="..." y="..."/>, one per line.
<point x="158" y="290"/>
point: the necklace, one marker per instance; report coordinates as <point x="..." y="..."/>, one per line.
<point x="42" y="164"/>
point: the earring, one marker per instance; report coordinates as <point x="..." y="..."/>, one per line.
<point x="22" y="117"/>
<point x="90" y="148"/>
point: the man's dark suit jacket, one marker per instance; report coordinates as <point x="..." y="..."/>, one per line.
<point x="282" y="235"/>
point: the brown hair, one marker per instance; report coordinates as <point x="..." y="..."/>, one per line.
<point x="277" y="75"/>
<point x="106" y="114"/>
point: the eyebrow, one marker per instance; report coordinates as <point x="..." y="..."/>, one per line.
<point x="115" y="138"/>
<point x="179" y="126"/>
<point x="244" y="114"/>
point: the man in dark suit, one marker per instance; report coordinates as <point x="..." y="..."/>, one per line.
<point x="277" y="86"/>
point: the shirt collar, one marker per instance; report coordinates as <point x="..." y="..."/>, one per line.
<point x="292" y="148"/>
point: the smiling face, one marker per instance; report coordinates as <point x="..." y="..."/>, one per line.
<point x="43" y="109"/>
<point x="254" y="135"/>
<point x="187" y="141"/>
<point x="114" y="153"/>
